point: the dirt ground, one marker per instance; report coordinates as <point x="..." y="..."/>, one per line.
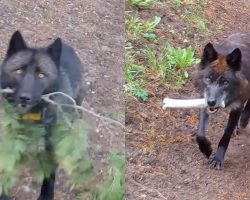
<point x="96" y="31"/>
<point x="163" y="159"/>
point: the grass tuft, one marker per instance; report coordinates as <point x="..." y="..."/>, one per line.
<point x="134" y="79"/>
<point x="138" y="28"/>
<point x="142" y="4"/>
<point x="171" y="63"/>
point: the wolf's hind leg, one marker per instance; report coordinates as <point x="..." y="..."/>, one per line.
<point x="203" y="142"/>
<point x="244" y="118"/>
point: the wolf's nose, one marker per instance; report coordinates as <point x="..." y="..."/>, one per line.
<point x="25" y="97"/>
<point x="211" y="103"/>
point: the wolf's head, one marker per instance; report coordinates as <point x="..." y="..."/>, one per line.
<point x="221" y="77"/>
<point x="29" y="72"/>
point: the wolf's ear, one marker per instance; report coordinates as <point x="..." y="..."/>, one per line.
<point x="209" y="55"/>
<point x="54" y="51"/>
<point x="234" y="59"/>
<point x="16" y="44"/>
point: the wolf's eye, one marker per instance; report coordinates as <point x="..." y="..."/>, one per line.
<point x="19" y="71"/>
<point x="209" y="79"/>
<point x="41" y="75"/>
<point x="225" y="82"/>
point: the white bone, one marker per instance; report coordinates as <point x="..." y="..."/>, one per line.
<point x="7" y="90"/>
<point x="184" y="103"/>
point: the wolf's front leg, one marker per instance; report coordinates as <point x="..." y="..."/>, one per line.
<point x="203" y="142"/>
<point x="47" y="190"/>
<point x="217" y="161"/>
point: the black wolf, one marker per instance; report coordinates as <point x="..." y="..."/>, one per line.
<point x="225" y="76"/>
<point x="33" y="72"/>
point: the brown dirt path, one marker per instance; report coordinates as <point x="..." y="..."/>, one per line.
<point x="163" y="160"/>
<point x="96" y="31"/>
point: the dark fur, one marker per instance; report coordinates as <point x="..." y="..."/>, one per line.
<point x="33" y="72"/>
<point x="224" y="76"/>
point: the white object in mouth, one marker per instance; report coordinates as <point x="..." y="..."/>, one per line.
<point x="7" y="90"/>
<point x="184" y="103"/>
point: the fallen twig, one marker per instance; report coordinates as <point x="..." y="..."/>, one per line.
<point x="49" y="100"/>
<point x="149" y="189"/>
<point x="47" y="96"/>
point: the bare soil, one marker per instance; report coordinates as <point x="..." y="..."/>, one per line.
<point x="95" y="29"/>
<point x="163" y="159"/>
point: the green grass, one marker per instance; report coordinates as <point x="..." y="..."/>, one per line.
<point x="198" y="22"/>
<point x="171" y="63"/>
<point x="142" y="4"/>
<point x="182" y="2"/>
<point x="196" y="17"/>
<point x="134" y="80"/>
<point x="221" y="27"/>
<point x="138" y="28"/>
<point x="48" y="15"/>
<point x="194" y="14"/>
<point x="177" y="2"/>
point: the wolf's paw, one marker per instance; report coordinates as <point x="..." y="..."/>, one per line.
<point x="205" y="146"/>
<point x="216" y="162"/>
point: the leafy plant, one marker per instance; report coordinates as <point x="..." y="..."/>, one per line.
<point x="21" y="141"/>
<point x="171" y="63"/>
<point x="134" y="82"/>
<point x="181" y="58"/>
<point x="114" y="187"/>
<point x="71" y="151"/>
<point x="142" y="4"/>
<point x="138" y="28"/>
<point x="140" y="93"/>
